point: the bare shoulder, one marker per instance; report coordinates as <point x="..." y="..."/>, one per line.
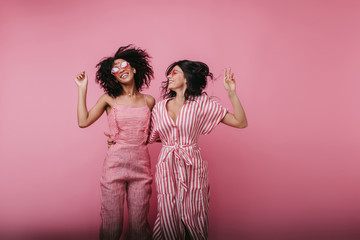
<point x="107" y="100"/>
<point x="150" y="101"/>
<point x="106" y="97"/>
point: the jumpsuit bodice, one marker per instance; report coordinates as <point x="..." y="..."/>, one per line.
<point x="181" y="173"/>
<point x="126" y="173"/>
<point x="129" y="124"/>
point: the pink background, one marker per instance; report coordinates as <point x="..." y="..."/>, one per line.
<point x="292" y="174"/>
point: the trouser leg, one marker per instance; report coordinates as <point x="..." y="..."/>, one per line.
<point x="138" y="196"/>
<point x="112" y="209"/>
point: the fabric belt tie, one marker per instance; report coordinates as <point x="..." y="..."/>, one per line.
<point x="182" y="157"/>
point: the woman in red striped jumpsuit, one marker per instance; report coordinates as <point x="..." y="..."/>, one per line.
<point x="181" y="173"/>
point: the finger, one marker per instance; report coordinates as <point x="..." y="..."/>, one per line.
<point x="225" y="80"/>
<point x="79" y="76"/>
<point x="107" y="134"/>
<point x="228" y="77"/>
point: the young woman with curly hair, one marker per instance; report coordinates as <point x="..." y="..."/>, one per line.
<point x="181" y="173"/>
<point x="126" y="169"/>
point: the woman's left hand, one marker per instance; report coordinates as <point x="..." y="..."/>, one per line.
<point x="229" y="81"/>
<point x="110" y="142"/>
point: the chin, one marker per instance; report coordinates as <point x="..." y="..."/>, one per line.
<point x="171" y="88"/>
<point x="127" y="80"/>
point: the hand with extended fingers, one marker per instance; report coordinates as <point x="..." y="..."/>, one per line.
<point x="229" y="81"/>
<point x="81" y="79"/>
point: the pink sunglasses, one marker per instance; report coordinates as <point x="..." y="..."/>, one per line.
<point x="116" y="70"/>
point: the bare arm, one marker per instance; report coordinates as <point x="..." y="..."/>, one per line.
<point x="238" y="118"/>
<point x="150" y="101"/>
<point x="85" y="117"/>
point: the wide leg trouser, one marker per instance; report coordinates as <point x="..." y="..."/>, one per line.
<point x="126" y="174"/>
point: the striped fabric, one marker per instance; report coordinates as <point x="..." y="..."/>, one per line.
<point x="181" y="173"/>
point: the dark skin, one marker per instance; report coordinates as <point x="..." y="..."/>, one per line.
<point x="131" y="96"/>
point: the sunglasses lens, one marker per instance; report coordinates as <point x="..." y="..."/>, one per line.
<point x="124" y="65"/>
<point x="115" y="70"/>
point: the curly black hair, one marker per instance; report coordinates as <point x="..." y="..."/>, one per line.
<point x="137" y="58"/>
<point x="196" y="74"/>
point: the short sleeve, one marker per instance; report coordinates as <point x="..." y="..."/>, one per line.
<point x="154" y="134"/>
<point x="212" y="113"/>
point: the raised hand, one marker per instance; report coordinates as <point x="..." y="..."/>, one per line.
<point x="238" y="118"/>
<point x="229" y="81"/>
<point x="81" y="79"/>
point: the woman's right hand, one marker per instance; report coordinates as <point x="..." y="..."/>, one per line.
<point x="81" y="80"/>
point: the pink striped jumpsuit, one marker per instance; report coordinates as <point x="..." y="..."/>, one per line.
<point x="126" y="172"/>
<point x="181" y="173"/>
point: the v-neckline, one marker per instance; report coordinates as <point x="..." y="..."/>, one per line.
<point x="167" y="113"/>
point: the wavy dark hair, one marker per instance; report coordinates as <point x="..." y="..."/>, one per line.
<point x="137" y="58"/>
<point x="196" y="74"/>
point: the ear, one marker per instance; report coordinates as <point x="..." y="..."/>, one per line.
<point x="134" y="70"/>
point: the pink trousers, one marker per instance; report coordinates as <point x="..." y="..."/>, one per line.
<point x="126" y="174"/>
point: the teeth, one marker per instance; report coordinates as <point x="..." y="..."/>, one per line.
<point x="124" y="75"/>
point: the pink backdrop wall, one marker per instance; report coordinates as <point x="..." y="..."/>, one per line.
<point x="292" y="174"/>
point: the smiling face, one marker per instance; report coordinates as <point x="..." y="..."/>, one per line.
<point x="176" y="79"/>
<point x="123" y="71"/>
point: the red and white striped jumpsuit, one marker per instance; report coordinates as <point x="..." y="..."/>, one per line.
<point x="181" y="173"/>
<point x="126" y="172"/>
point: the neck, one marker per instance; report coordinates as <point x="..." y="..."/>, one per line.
<point x="130" y="90"/>
<point x="180" y="97"/>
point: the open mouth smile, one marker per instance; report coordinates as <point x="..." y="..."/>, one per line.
<point x="124" y="75"/>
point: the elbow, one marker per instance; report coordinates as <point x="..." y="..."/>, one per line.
<point x="83" y="122"/>
<point x="242" y="124"/>
<point x="82" y="125"/>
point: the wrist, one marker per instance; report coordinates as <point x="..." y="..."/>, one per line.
<point x="231" y="94"/>
<point x="82" y="88"/>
